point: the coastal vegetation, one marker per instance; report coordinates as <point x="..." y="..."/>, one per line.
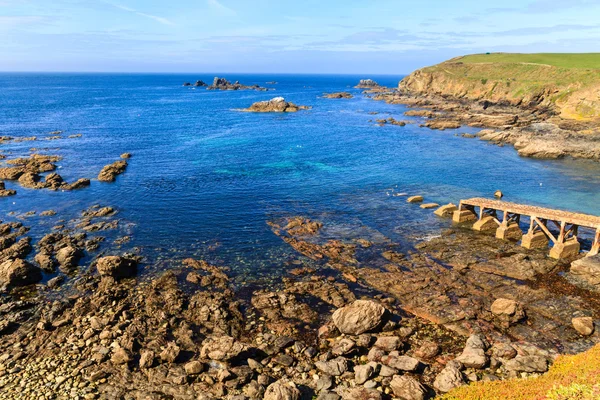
<point x="570" y="377"/>
<point x="568" y="83"/>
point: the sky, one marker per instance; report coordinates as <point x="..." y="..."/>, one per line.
<point x="307" y="36"/>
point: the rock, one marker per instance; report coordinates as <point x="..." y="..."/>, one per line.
<point x="402" y="363"/>
<point x="126" y="156"/>
<point x="583" y="325"/>
<point x="120" y="356"/>
<point x="363" y="373"/>
<point x="428" y="350"/>
<point x="359" y="317"/>
<point x="360" y="393"/>
<point x="408" y="388"/>
<point x="170" y="353"/>
<point x="116" y="267"/>
<point x="473" y="358"/>
<point x="498" y="194"/>
<point x="325" y="382"/>
<point x="68" y="257"/>
<point x="338" y="95"/>
<point x="18" y="273"/>
<point x="110" y="172"/>
<point x="146" y="359"/>
<point x="367" y="84"/>
<point x="427" y="206"/>
<point x="448" y="379"/>
<point x="343" y="347"/>
<point x="221" y="348"/>
<point x="335" y="367"/>
<point x="588" y="269"/>
<point x="389" y="343"/>
<point x="325" y="395"/>
<point x="527" y="364"/>
<point x="45" y="262"/>
<point x="282" y="390"/>
<point x="508" y="310"/>
<point x="415" y="199"/>
<point x="504" y="350"/>
<point x="187" y="84"/>
<point x="193" y="367"/>
<point x="276" y="104"/>
<point x="200" y="83"/>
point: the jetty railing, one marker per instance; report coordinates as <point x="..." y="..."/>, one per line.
<point x="505" y="218"/>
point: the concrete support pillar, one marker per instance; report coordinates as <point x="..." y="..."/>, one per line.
<point x="596" y="244"/>
<point x="534" y="240"/>
<point x="511" y="231"/>
<point x="567" y="249"/>
<point x="465" y="215"/>
<point x="485" y="224"/>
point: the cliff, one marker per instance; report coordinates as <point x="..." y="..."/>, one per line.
<point x="569" y="84"/>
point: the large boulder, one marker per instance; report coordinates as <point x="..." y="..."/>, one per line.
<point x="359" y="317"/>
<point x="282" y="390"/>
<point x="527" y="364"/>
<point x="18" y="273"/>
<point x="68" y="257"/>
<point x="116" y="267"/>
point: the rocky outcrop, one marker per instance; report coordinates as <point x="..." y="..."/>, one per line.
<point x="224" y="84"/>
<point x="110" y="172"/>
<point x="277" y="104"/>
<point x="367" y="84"/>
<point x="338" y="95"/>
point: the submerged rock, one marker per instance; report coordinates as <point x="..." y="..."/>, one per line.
<point x="276" y="104"/>
<point x="110" y="172"/>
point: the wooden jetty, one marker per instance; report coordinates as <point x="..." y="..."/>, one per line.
<point x="504" y="217"/>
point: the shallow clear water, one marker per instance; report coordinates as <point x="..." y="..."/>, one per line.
<point x="205" y="178"/>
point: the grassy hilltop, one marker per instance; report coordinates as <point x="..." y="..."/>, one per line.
<point x="570" y="83"/>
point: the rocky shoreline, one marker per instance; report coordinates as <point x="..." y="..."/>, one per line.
<point x="398" y="326"/>
<point x="533" y="130"/>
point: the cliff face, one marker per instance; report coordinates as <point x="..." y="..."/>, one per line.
<point x="571" y="93"/>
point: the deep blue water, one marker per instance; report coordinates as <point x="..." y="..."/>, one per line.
<point x="205" y="178"/>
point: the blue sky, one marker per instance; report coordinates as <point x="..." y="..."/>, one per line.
<point x="325" y="36"/>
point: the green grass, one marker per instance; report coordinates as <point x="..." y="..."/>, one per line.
<point x="561" y="60"/>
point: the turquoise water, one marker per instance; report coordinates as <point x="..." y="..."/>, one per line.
<point x="204" y="178"/>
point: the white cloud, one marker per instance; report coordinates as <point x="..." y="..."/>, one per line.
<point x="218" y="6"/>
<point x="156" y="18"/>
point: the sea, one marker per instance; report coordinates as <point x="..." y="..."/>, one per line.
<point x="205" y="178"/>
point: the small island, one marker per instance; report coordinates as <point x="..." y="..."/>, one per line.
<point x="276" y="104"/>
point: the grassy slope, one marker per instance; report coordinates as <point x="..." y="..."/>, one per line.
<point x="570" y="377"/>
<point x="561" y="60"/>
<point x="553" y="78"/>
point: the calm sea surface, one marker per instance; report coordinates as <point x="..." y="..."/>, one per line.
<point x="204" y="178"/>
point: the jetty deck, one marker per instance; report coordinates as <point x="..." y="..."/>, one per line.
<point x="545" y="224"/>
